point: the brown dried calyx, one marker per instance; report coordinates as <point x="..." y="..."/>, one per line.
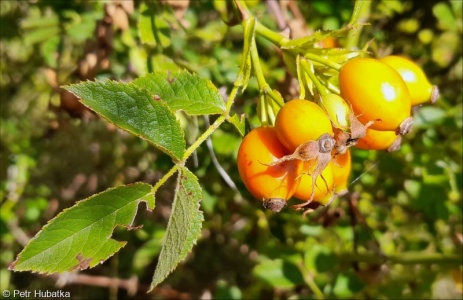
<point x="405" y="127"/>
<point x="435" y="95"/>
<point x="309" y="150"/>
<point x="357" y="131"/>
<point x="307" y="207"/>
<point x="274" y="204"/>
<point x="319" y="151"/>
<point x="396" y="144"/>
<point x="310" y="205"/>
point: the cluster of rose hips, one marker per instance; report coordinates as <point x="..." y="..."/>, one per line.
<point x="306" y="154"/>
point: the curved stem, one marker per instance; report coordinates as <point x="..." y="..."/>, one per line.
<point x="263" y="85"/>
<point x="274" y="37"/>
<point x="360" y="15"/>
<point x="323" y="61"/>
<point x="301" y="78"/>
<point x="279" y="40"/>
<point x="214" y="125"/>
<point x="199" y="141"/>
<point x="256" y="66"/>
<point x="275" y="96"/>
<point x="308" y="279"/>
<point x="164" y="178"/>
<point x="263" y="110"/>
<point x="270" y="113"/>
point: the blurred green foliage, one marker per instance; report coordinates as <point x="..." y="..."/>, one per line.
<point x="54" y="152"/>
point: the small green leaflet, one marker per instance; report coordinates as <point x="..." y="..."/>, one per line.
<point x="80" y="236"/>
<point x="134" y="109"/>
<point x="183" y="91"/>
<point x="239" y="122"/>
<point x="184" y="226"/>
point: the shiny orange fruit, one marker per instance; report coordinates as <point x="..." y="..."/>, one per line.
<point x="272" y="184"/>
<point x="376" y="92"/>
<point x="342" y="166"/>
<point x="379" y="140"/>
<point x="421" y="90"/>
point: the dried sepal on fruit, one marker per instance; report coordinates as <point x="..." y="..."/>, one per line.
<point x="406" y="126"/>
<point x="274" y="204"/>
<point x="315" y="188"/>
<point x="310" y="150"/>
<point x="318" y="153"/>
<point x="344" y="139"/>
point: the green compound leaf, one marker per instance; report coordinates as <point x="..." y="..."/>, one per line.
<point x="184" y="226"/>
<point x="80" y="236"/>
<point x="134" y="109"/>
<point x="183" y="91"/>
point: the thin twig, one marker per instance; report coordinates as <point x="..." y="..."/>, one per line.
<point x="21" y="237"/>
<point x="308" y="279"/>
<point x="131" y="285"/>
<point x="275" y="10"/>
<point x="217" y="165"/>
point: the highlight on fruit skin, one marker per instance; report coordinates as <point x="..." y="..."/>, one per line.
<point x="377" y="93"/>
<point x="272" y="184"/>
<point x="421" y="90"/>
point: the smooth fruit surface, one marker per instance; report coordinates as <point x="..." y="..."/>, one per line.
<point x="259" y="148"/>
<point x="342" y="166"/>
<point x="376" y="140"/>
<point x="300" y="121"/>
<point x="323" y="189"/>
<point x="418" y="84"/>
<point x="376" y="92"/>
